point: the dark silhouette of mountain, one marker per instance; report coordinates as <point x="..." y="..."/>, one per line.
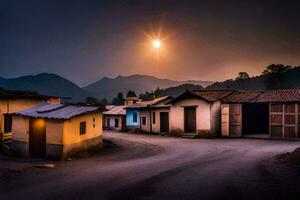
<point x="177" y="90"/>
<point x="52" y="84"/>
<point x="109" y="87"/>
<point x="171" y="91"/>
<point x="284" y="80"/>
<point x="47" y="84"/>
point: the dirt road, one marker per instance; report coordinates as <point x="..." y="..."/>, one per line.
<point x="154" y="167"/>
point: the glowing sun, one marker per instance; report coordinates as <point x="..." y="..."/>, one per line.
<point x="156" y="44"/>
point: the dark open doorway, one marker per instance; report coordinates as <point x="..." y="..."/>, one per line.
<point x="164" y="122"/>
<point x="190" y="119"/>
<point x="255" y="119"/>
<point x="37" y="138"/>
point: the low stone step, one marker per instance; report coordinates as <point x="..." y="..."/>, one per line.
<point x="189" y="135"/>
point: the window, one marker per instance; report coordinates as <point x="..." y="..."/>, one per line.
<point x="94" y="119"/>
<point x="153" y="120"/>
<point x="7" y="123"/>
<point x="144" y="120"/>
<point x="134" y="117"/>
<point x="116" y="123"/>
<point x="108" y="122"/>
<point x="82" y="128"/>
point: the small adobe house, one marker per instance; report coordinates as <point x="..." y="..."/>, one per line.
<point x="53" y="131"/>
<point x="154" y="115"/>
<point x="267" y="114"/>
<point x="197" y="113"/>
<point x="12" y="101"/>
<point x="115" y="118"/>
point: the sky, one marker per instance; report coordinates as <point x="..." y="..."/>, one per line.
<point x="86" y="40"/>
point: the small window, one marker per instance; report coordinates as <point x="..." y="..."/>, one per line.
<point x="134" y="117"/>
<point x="82" y="128"/>
<point x="153" y="118"/>
<point x="108" y="122"/>
<point x="94" y="119"/>
<point x="116" y="123"/>
<point x="7" y="123"/>
<point x="144" y="120"/>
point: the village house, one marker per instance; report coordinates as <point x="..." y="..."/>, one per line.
<point x="197" y="113"/>
<point x="114" y="118"/>
<point x="264" y="114"/>
<point x="12" y="101"/>
<point x="154" y="115"/>
<point x="54" y="130"/>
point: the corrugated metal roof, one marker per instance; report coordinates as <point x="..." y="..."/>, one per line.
<point x="58" y="111"/>
<point x="115" y="110"/>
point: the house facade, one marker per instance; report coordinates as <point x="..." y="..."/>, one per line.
<point x="115" y="118"/>
<point x="54" y="131"/>
<point x="13" y="101"/>
<point x="264" y="114"/>
<point x="154" y="116"/>
<point x="197" y="113"/>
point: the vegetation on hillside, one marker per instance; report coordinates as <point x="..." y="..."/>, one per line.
<point x="275" y="76"/>
<point x="171" y="91"/>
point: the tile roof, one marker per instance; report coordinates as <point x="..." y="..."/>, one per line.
<point x="206" y="95"/>
<point x="143" y="104"/>
<point x="115" y="110"/>
<point x="267" y="96"/>
<point x="241" y="96"/>
<point x="279" y="96"/>
<point x="16" y="94"/>
<point x="213" y="95"/>
<point x="58" y="111"/>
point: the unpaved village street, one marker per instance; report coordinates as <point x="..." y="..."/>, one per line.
<point x="156" y="167"/>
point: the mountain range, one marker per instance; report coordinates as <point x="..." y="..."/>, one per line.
<point x="52" y="84"/>
<point x="285" y="80"/>
<point x="109" y="87"/>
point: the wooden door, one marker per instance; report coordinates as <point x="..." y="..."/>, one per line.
<point x="164" y="122"/>
<point x="37" y="138"/>
<point x="190" y="119"/>
<point x="235" y="120"/>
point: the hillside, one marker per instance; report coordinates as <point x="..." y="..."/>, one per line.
<point x="288" y="79"/>
<point x="47" y="84"/>
<point x="171" y="91"/>
<point x="109" y="87"/>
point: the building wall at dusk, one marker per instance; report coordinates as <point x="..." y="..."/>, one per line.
<point x="155" y="127"/>
<point x="62" y="136"/>
<point x="206" y="114"/>
<point x="130" y="123"/>
<point x="8" y="106"/>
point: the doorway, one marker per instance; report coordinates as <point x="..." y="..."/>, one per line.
<point x="255" y="119"/>
<point x="190" y="119"/>
<point x="164" y="122"/>
<point x="37" y="138"/>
